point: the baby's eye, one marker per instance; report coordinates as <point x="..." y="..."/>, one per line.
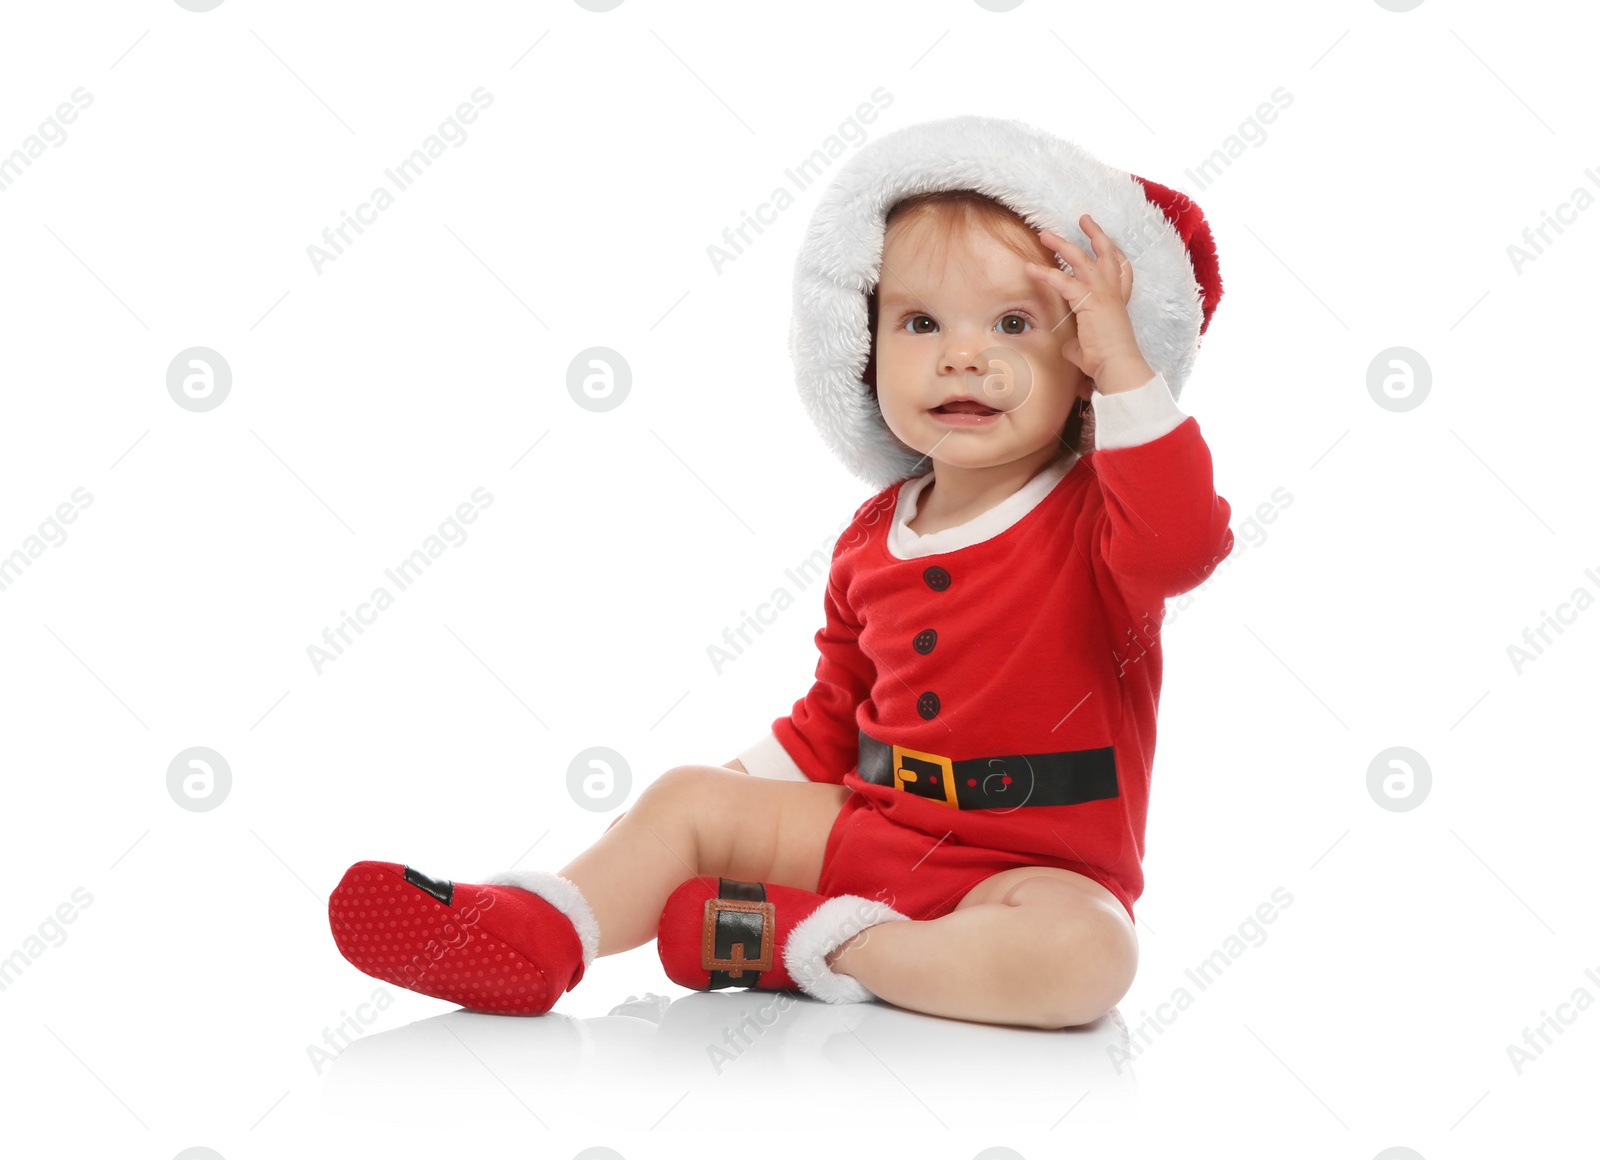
<point x="1023" y="318"/>
<point x="913" y="319"/>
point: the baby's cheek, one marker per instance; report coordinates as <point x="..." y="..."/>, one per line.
<point x="894" y="418"/>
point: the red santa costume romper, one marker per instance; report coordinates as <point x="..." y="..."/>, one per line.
<point x="989" y="691"/>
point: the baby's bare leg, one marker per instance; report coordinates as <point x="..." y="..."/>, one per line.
<point x="695" y="820"/>
<point x="1031" y="946"/>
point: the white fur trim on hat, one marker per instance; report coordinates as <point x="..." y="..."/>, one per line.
<point x="1048" y="181"/>
<point x="564" y="895"/>
<point x="815" y="936"/>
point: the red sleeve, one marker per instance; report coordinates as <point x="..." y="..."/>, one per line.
<point x="820" y="733"/>
<point x="1163" y="528"/>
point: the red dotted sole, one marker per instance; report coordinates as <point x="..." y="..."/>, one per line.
<point x="396" y="932"/>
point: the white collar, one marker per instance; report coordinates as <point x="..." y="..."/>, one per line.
<point x="905" y="544"/>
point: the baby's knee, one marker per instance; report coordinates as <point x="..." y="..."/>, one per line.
<point x="679" y="788"/>
<point x="1089" y="949"/>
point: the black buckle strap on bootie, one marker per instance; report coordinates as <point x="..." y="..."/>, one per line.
<point x="979" y="783"/>
<point x="438" y="887"/>
<point x="739" y="935"/>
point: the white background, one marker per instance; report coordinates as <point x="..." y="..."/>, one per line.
<point x="368" y="400"/>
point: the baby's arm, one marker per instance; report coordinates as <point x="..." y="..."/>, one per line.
<point x="1163" y="528"/>
<point x="818" y="740"/>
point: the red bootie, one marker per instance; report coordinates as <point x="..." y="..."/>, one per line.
<point x="510" y="947"/>
<point x="717" y="932"/>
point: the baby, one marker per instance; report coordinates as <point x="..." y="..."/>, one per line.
<point x="952" y="819"/>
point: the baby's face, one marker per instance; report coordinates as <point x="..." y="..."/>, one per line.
<point x="976" y="326"/>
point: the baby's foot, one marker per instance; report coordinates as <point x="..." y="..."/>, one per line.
<point x="510" y="947"/>
<point x="717" y="932"/>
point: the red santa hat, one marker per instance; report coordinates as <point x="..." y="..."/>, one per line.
<point x="1050" y="183"/>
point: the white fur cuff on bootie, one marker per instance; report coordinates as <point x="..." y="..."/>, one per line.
<point x="564" y="895"/>
<point x="816" y="936"/>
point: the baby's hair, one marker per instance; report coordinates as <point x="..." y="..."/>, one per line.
<point x="939" y="214"/>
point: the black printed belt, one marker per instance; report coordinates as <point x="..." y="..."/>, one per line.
<point x="981" y="783"/>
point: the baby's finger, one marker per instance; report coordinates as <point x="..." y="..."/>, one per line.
<point x="1103" y="245"/>
<point x="1059" y="280"/>
<point x="1050" y="274"/>
<point x="1075" y="257"/>
<point x="1113" y="252"/>
<point x="1124" y="275"/>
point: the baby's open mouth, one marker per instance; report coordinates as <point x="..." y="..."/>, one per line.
<point x="965" y="406"/>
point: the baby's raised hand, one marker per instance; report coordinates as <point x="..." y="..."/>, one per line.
<point x="1101" y="344"/>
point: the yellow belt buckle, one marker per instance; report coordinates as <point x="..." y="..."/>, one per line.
<point x="913" y="765"/>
